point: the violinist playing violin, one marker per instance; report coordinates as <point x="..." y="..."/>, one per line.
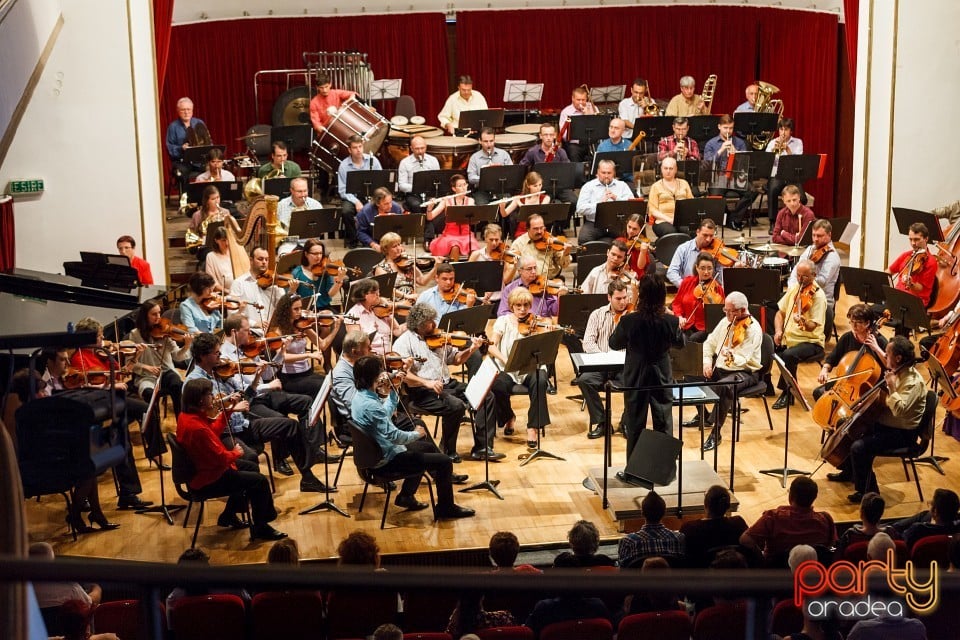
<point x="97" y="361"/>
<point x="600" y="277"/>
<point x="545" y="305"/>
<point x="731" y="353"/>
<point x="801" y="314"/>
<point x="314" y="283"/>
<point x="546" y="258"/>
<point x="638" y="246"/>
<point x="260" y="299"/>
<point x="604" y="188"/>
<point x="824" y="255"/>
<point x="697" y="290"/>
<point x="396" y="260"/>
<point x="862" y="334"/>
<point x="298" y="363"/>
<point x="915" y="271"/>
<point x="448" y="296"/>
<point x="685" y="257"/>
<point x="194" y="315"/>
<point x="492" y="245"/>
<point x="596" y="339"/>
<point x="373" y="316"/>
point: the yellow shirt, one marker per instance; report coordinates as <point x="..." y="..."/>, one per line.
<point x="794" y="334"/>
<point x="906" y="401"/>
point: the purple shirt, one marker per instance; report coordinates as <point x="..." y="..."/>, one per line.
<point x="365" y="221"/>
<point x="535" y="154"/>
<point x="543" y="307"/>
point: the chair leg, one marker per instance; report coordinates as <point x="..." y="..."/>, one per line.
<point x="273" y="485"/>
<point x="386" y="504"/>
<point x="186" y="517"/>
<point x="433" y="501"/>
<point x="363" y="496"/>
<point x="916" y="478"/>
<point x="436" y="427"/>
<point x="343" y="457"/>
<point x="766" y="408"/>
<point x="906" y="474"/>
<point x="196" y="529"/>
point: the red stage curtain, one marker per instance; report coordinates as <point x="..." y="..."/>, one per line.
<point x="162" y="20"/>
<point x="214" y="62"/>
<point x="8" y="247"/>
<point x="851" y="16"/>
<point x="739" y="44"/>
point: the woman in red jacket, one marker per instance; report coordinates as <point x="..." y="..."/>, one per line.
<point x="220" y="470"/>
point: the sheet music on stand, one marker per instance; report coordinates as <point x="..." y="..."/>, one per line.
<point x="522" y="91"/>
<point x="317" y="407"/>
<point x="611" y="93"/>
<point x="481" y="382"/>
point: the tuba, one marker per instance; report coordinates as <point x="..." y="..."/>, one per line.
<point x="766" y="104"/>
<point x="709" y="89"/>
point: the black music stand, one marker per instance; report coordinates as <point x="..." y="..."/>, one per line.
<point x="838" y="226"/>
<point x="280" y="187"/>
<point x="483" y="276"/>
<point x="690" y="213"/>
<point x="553" y="212"/>
<point x="199" y="155"/>
<point x="503" y="180"/>
<point x="433" y="183"/>
<point x="527" y="355"/>
<point x="296" y="136"/>
<point x="408" y="226"/>
<point x="363" y="183"/>
<point x="317" y="415"/>
<point x="761" y="286"/>
<point x="312" y="223"/>
<point x="906" y="308"/>
<point x="686" y="362"/>
<point x="612" y="216"/>
<point x="798" y="169"/>
<point x="703" y="128"/>
<point x="622" y="159"/>
<point x="906" y="217"/>
<point x="589" y="130"/>
<point x="387" y="282"/>
<point x="483" y="381"/>
<point x="941" y="380"/>
<point x="557" y="176"/>
<point x="472" y="320"/>
<point x="712" y="315"/>
<point x="794" y="390"/>
<point x="472" y="214"/>
<point x="229" y="190"/>
<point x="476" y="119"/>
<point x="866" y="284"/>
<point x="287" y="263"/>
<point x="654" y="127"/>
<point x="575" y="310"/>
<point x="805" y="239"/>
<point x="751" y="123"/>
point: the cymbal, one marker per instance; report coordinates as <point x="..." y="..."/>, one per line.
<point x="770" y="247"/>
<point x="251" y="136"/>
<point x="793" y="252"/>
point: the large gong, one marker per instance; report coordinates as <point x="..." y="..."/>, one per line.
<point x="292" y="107"/>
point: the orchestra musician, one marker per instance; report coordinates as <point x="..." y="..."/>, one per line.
<point x="488" y="156"/>
<point x="716" y="153"/>
<point x="125" y="247"/>
<point x="663" y="196"/>
<point x="317" y="290"/>
<point x="785" y="144"/>
<point x="176" y="141"/>
<point x="596" y="339"/>
<point x="211" y="211"/>
<point x="492" y="241"/>
<point x="504" y="335"/>
<point x="801" y="313"/>
<point x="617" y="142"/>
<point x="861" y="319"/>
<point x="731" y="353"/>
<point x="327" y="99"/>
<point x="695" y="292"/>
<point x="297" y="374"/>
<point x="154" y="368"/>
<point x="547" y="149"/>
<point x="437" y="295"/>
<point x="531" y="193"/>
<point x="193" y="314"/>
<point x="436" y="393"/>
<point x="217" y="261"/>
<point x="464" y="99"/>
<point x="457" y="238"/>
<point x="638" y="248"/>
<point x="636" y="105"/>
<point x="915" y="270"/>
<point x="381" y="204"/>
<point x="580" y="105"/>
<point x="365" y="296"/>
<point x="687" y="102"/>
<point x="647" y="335"/>
<point x="57" y="363"/>
<point x="279" y="166"/>
<point x="824" y="255"/>
<point x="220" y="468"/>
<point x="396" y="260"/>
<point x="792" y="220"/>
<point x="298" y="200"/>
<point x="604" y="188"/>
<point x="600" y="277"/>
<point x="357" y="160"/>
<point x="545" y="305"/>
<point x="418" y="160"/>
<point x="751" y="93"/>
<point x="896" y="425"/>
<point x="679" y="146"/>
<point x="263" y="299"/>
<point x="546" y="260"/>
<point x="409" y="453"/>
<point x="215" y="171"/>
<point x="684" y="258"/>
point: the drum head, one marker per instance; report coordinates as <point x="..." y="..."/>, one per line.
<point x="418" y="120"/>
<point x="399" y="121"/>
<point x="452" y="144"/>
<point x="532" y="129"/>
<point x="292" y="107"/>
<point x="773" y="262"/>
<point x="515" y="140"/>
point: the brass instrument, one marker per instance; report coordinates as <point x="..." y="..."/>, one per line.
<point x="681" y="147"/>
<point x="650" y="106"/>
<point x="765" y="104"/>
<point x="706" y="96"/>
<point x="590" y="109"/>
<point x="199" y="136"/>
<point x="780" y="145"/>
<point x="637" y="139"/>
<point x="276" y="172"/>
<point x="272" y="224"/>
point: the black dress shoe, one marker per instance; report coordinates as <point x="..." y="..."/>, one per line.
<point x="132" y="502"/>
<point x="455" y="458"/>
<point x="266" y="532"/>
<point x="77" y="525"/>
<point x="712" y="441"/>
<point x="230" y="521"/>
<point x="840" y="476"/>
<point x="410" y="503"/>
<point x="452" y="512"/>
<point x="596" y="431"/>
<point x="85" y="505"/>
<point x="163" y="466"/>
<point x="856" y="497"/>
<point x="487" y="454"/>
<point x="459" y="478"/>
<point x="551" y="389"/>
<point x="782" y="401"/>
<point x="102" y="523"/>
<point x="315" y="486"/>
<point x="282" y="467"/>
<point x="327" y="457"/>
<point x="735" y="225"/>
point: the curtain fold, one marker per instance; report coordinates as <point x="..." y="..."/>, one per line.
<point x="8" y="235"/>
<point x="162" y="24"/>
<point x="851" y="17"/>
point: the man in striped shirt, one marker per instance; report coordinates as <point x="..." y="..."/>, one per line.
<point x="596" y="338"/>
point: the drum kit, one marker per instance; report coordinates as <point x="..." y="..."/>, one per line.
<point x="774" y="256"/>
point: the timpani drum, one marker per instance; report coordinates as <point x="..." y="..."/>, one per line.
<point x="453" y="152"/>
<point x="780" y="265"/>
<point x="398" y="143"/>
<point x="516" y="144"/>
<point x="353" y="118"/>
<point x="530" y="129"/>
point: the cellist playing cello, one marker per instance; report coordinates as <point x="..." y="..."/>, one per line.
<point x="862" y="334"/>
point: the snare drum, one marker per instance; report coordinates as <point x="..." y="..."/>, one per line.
<point x="531" y="129"/>
<point x="781" y="265"/>
<point x="516" y="144"/>
<point x="398" y="143"/>
<point x="453" y="152"/>
<point x="353" y="118"/>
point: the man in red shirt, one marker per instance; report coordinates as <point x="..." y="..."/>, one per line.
<point x="915" y="270"/>
<point x="325" y="99"/>
<point x="126" y="245"/>
<point x="219" y="470"/>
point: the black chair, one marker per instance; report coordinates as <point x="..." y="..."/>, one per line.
<point x="666" y="246"/>
<point x="595" y="247"/>
<point x="585" y="264"/>
<point x="759" y="390"/>
<point x="363" y="258"/>
<point x="366" y="455"/>
<point x="183" y="471"/>
<point x="914" y="451"/>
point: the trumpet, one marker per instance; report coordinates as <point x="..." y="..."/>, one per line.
<point x="681" y="148"/>
<point x="779" y="145"/>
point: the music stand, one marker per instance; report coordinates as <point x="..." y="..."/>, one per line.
<point x="794" y="390"/>
<point x="941" y="380"/>
<point x="712" y="315"/>
<point x="522" y="91"/>
<point x="838" y="226"/>
<point x="612" y="216"/>
<point x="409" y="226"/>
<point x="199" y="155"/>
<point x="527" y="355"/>
<point x="605" y="95"/>
<point x="589" y="129"/>
<point x="703" y="127"/>
<point x="761" y="286"/>
<point x="751" y="123"/>
<point x="229" y="190"/>
<point x="387" y="282"/>
<point x="286" y="263"/>
<point x="557" y="176"/>
<point x="472" y="214"/>
<point x="362" y="183"/>
<point x="312" y="223"/>
<point x="502" y="180"/>
<point x="805" y="239"/>
<point x="483" y="276"/>
<point x="655" y="127"/>
<point x="691" y="212"/>
<point x="906" y="217"/>
<point x="798" y="169"/>
<point x="296" y="136"/>
<point x="622" y="159"/>
<point x="384" y="90"/>
<point x="553" y="212"/>
<point x="472" y="320"/>
<point x="575" y="310"/>
<point x="477" y="119"/>
<point x="280" y="187"/>
<point x="433" y="183"/>
<point x="476" y="392"/>
<point x="907" y="308"/>
<point x="317" y="415"/>
<point x="866" y="284"/>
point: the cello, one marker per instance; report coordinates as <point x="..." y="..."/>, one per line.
<point x="851" y="425"/>
<point x="948" y="273"/>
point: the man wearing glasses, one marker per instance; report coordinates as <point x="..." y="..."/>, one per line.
<point x="544" y="305"/>
<point x="547" y="260"/>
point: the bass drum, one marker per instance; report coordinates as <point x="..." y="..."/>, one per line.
<point x="353" y="118"/>
<point x="292" y="107"/>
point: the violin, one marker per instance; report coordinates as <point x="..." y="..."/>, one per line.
<point x="456" y="339"/>
<point x="708" y="292"/>
<point x="333" y="268"/>
<point x="556" y="243"/>
<point x="724" y="255"/>
<point x="76" y="378"/>
<point x="736" y="334"/>
<point x="226" y="369"/>
<point x="124" y="348"/>
<point x="530" y="324"/>
<point x="215" y="302"/>
<point x="459" y="294"/>
<point x="819" y="253"/>
<point x="804" y="299"/>
<point x="386" y="308"/>
<point x="500" y="253"/>
<point x="394" y="361"/>
<point x="552" y="287"/>
<point x="325" y="318"/>
<point x="270" y="277"/>
<point x="617" y="315"/>
<point x="166" y="328"/>
<point x="272" y="341"/>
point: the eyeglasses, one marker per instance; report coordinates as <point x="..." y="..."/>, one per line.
<point x="528" y="268"/>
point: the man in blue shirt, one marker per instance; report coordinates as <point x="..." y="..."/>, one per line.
<point x="176" y="142"/>
<point x="381" y="205"/>
<point x="349" y="203"/>
<point x="716" y="154"/>
<point x="616" y="142"/>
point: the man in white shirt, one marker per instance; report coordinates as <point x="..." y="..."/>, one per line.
<point x="751" y="94"/>
<point x="349" y="203"/>
<point x="487" y="156"/>
<point x="596" y="338"/>
<point x="465" y="99"/>
<point x="298" y="200"/>
<point x="604" y="188"/>
<point x="260" y="300"/>
<point x="418" y="160"/>
<point x="635" y="105"/>
<point x="785" y="144"/>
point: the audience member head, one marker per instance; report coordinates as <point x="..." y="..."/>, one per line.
<point x="41" y="551"/>
<point x="388" y="632"/>
<point x="284" y="551"/>
<point x="652" y="508"/>
<point x="800" y="554"/>
<point x="194" y="556"/>
<point x="803" y="491"/>
<point x="716" y="501"/>
<point x="728" y="559"/>
<point x="944" y="507"/>
<point x="75" y="616"/>
<point x="359" y="548"/>
<point x="584" y="538"/>
<point x="871" y="508"/>
<point x="878" y="546"/>
<point x="504" y="548"/>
